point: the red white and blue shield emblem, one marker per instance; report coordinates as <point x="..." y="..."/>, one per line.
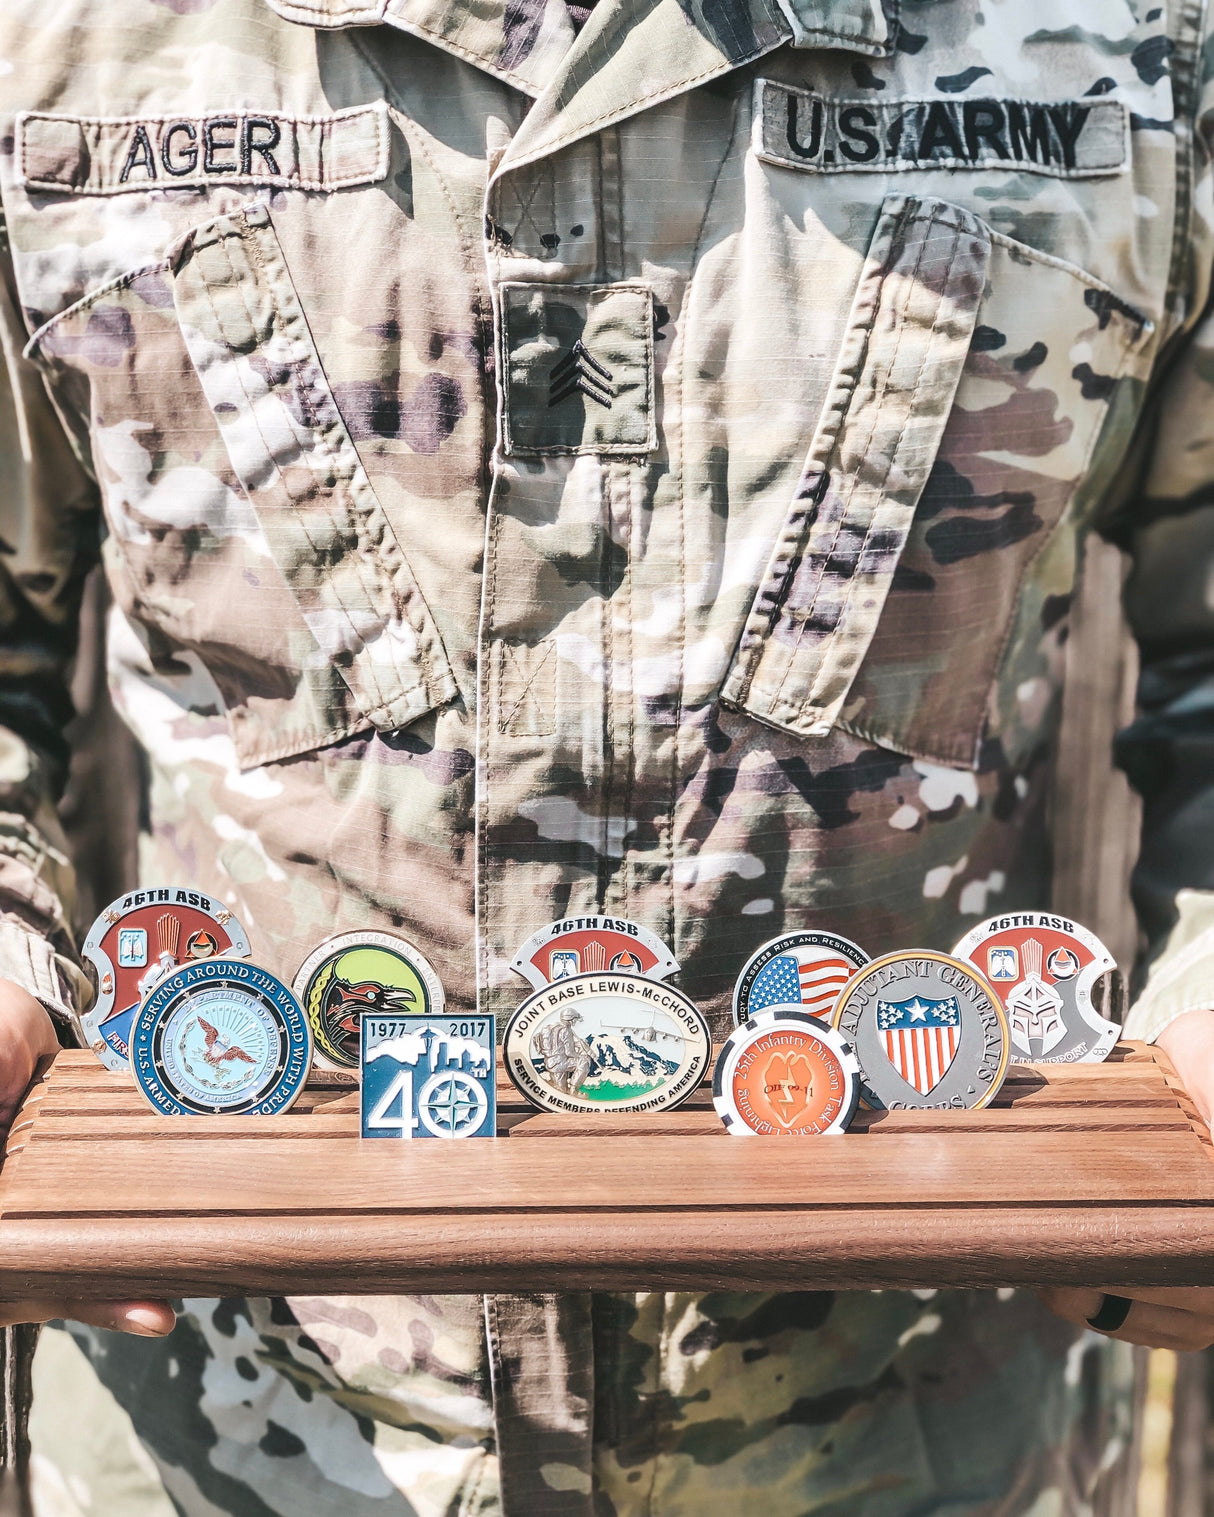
<point x="920" y="1038"/>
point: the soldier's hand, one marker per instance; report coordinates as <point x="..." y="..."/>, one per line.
<point x="1177" y="1317"/>
<point x="27" y="1038"/>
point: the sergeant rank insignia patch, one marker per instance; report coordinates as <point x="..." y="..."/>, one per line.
<point x="221" y="1037"/>
<point x="928" y="1031"/>
<point x="428" y="1077"/>
<point x="606" y="1042"/>
<point x="135" y="942"/>
<point x="785" y="1074"/>
<point x="357" y="973"/>
<point x="801" y="968"/>
<point x="590" y="945"/>
<point x="1044" y="969"/>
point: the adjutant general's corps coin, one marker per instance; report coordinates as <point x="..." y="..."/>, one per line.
<point x="1043" y="968"/>
<point x="783" y="1073"/>
<point x="135" y="942"/>
<point x="597" y="1042"/>
<point x="357" y="973"/>
<point x="224" y="1037"/>
<point x="590" y="945"/>
<point x="928" y="1031"/>
<point x="801" y="968"/>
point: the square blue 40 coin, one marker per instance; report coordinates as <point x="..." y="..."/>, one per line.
<point x="428" y="1077"/>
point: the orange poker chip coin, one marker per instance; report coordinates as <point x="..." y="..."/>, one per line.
<point x="783" y="1073"/>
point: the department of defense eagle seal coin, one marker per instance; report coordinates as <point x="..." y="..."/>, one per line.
<point x="590" y="945"/>
<point x="928" y="1032"/>
<point x="808" y="969"/>
<point x="361" y="972"/>
<point x="785" y="1074"/>
<point x="222" y="1037"/>
<point x="607" y="1042"/>
<point x="1043" y="967"/>
<point x="135" y="942"/>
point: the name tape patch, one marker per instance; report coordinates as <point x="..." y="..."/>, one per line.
<point x="1066" y="138"/>
<point x="93" y="155"/>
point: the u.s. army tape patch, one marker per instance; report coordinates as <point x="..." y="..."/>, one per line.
<point x="94" y="155"/>
<point x="1066" y="138"/>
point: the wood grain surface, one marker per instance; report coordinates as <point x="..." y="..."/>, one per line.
<point x="1095" y="1174"/>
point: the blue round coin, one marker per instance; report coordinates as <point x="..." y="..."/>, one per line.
<point x="222" y="1037"/>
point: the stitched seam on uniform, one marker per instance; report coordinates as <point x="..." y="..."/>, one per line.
<point x="469" y="55"/>
<point x="1051" y="261"/>
<point x="630" y="767"/>
<point x="506" y="717"/>
<point x="85" y="301"/>
<point x="856" y="656"/>
<point x="824" y="556"/>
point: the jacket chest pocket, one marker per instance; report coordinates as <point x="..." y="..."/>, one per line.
<point x="245" y="525"/>
<point x="974" y="380"/>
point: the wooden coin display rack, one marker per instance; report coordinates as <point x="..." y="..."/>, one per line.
<point x="1095" y="1174"/>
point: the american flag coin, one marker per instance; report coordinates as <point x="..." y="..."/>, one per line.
<point x="806" y="969"/>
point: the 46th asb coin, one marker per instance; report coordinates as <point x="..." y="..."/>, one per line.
<point x="928" y="1031"/>
<point x="1044" y="968"/>
<point x="359" y="973"/>
<point x="428" y="1077"/>
<point x="220" y="1037"/>
<point x="136" y="941"/>
<point x="783" y="1073"/>
<point x="590" y="945"/>
<point x="808" y="969"/>
<point x="607" y="1043"/>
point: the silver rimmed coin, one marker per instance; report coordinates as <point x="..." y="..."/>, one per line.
<point x="1044" y="968"/>
<point x="223" y="1037"/>
<point x="358" y="973"/>
<point x="135" y="942"/>
<point x="928" y="1032"/>
<point x="590" y="945"/>
<point x="785" y="1074"/>
<point x="597" y="1042"/>
<point x="806" y="969"/>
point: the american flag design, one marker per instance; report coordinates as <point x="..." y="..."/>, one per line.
<point x="920" y="1037"/>
<point x="791" y="978"/>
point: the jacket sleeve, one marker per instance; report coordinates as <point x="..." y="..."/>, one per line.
<point x="49" y="523"/>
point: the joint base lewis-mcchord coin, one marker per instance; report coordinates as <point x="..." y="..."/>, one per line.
<point x="222" y="1037"/>
<point x="591" y="945"/>
<point x="135" y="942"/>
<point x="1043" y="967"/>
<point x="599" y="1042"/>
<point x="805" y="968"/>
<point x="357" y="973"/>
<point x="428" y="1077"/>
<point x="783" y="1073"/>
<point x="928" y="1032"/>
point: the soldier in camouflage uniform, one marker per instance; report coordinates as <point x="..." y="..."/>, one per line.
<point x="552" y="460"/>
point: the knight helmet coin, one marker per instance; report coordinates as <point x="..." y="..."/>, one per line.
<point x="806" y="969"/>
<point x="606" y="1042"/>
<point x="1044" y="967"/>
<point x="928" y="1031"/>
<point x="135" y="942"/>
<point x="356" y="973"/>
<point x="591" y="945"/>
<point x="220" y="1037"/>
<point x="783" y="1073"/>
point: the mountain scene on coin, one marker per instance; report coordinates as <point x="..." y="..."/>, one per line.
<point x="608" y="1065"/>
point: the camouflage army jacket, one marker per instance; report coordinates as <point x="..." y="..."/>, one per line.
<point x="639" y="470"/>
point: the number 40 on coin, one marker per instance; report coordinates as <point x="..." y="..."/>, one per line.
<point x="428" y="1077"/>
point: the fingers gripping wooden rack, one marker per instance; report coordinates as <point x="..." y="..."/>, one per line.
<point x="1095" y="1174"/>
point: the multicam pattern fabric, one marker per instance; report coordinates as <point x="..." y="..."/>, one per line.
<point x="535" y="479"/>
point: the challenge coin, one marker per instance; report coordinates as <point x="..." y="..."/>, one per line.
<point x="808" y="969"/>
<point x="596" y="1042"/>
<point x="592" y="945"/>
<point x="1043" y="967"/>
<point x="135" y="942"/>
<point x="428" y="1077"/>
<point x="783" y="1073"/>
<point x="355" y="973"/>
<point x="928" y="1032"/>
<point x="222" y="1037"/>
